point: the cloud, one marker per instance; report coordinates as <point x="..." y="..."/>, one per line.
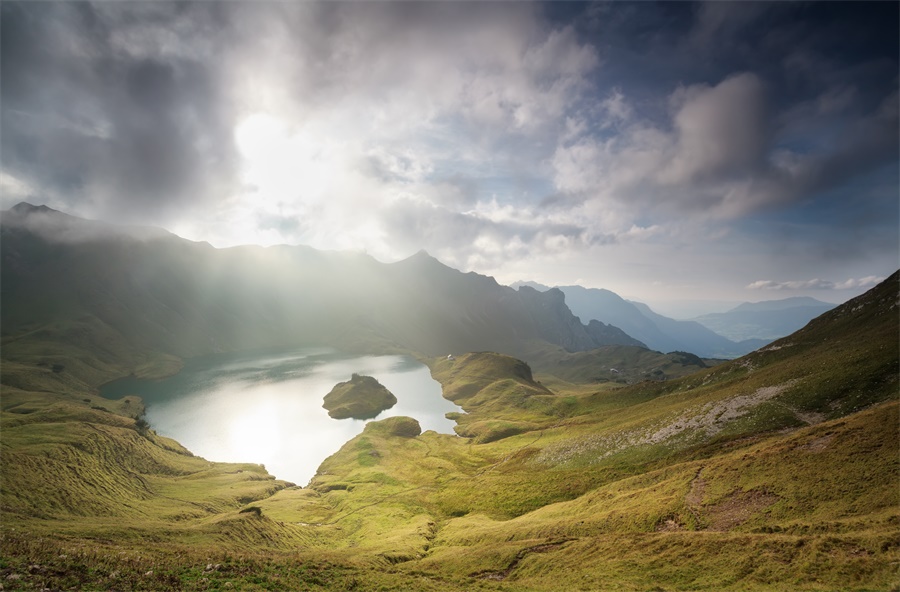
<point x="721" y="132"/>
<point x="863" y="283"/>
<point x="13" y="190"/>
<point x="723" y="152"/>
<point x="130" y="113"/>
<point x="92" y="115"/>
<point x="481" y="238"/>
<point x="484" y="132"/>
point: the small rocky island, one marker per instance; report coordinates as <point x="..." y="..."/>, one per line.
<point x="362" y="397"/>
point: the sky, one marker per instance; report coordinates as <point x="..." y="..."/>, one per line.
<point x="671" y="151"/>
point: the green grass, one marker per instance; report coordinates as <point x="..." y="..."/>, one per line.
<point x="777" y="471"/>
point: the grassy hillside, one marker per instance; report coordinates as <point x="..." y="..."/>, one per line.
<point x="619" y="364"/>
<point x="776" y="471"/>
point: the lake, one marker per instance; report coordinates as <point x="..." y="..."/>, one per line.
<point x="266" y="407"/>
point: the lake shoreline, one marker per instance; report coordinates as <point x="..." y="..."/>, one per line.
<point x="264" y="406"/>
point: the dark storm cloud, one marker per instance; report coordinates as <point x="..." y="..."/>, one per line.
<point x="764" y="104"/>
<point x="100" y="109"/>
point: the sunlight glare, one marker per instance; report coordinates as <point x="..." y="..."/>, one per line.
<point x="287" y="170"/>
<point x="255" y="434"/>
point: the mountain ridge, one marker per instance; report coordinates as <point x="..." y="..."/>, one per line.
<point x="781" y="303"/>
<point x="765" y="320"/>
<point x="740" y="330"/>
<point x="177" y="297"/>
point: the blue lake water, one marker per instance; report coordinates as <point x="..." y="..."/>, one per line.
<point x="266" y="407"/>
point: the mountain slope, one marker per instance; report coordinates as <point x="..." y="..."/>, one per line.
<point x="158" y="293"/>
<point x="777" y="470"/>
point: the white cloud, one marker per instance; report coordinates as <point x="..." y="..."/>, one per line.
<point x="414" y="117"/>
<point x="616" y="108"/>
<point x="861" y="283"/>
<point x="817" y="284"/>
<point x="13" y="190"/>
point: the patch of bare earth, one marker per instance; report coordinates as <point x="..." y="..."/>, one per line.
<point x="669" y="525"/>
<point x="707" y="420"/>
<point x="819" y="444"/>
<point x="713" y="417"/>
<point x="736" y="508"/>
<point x="694" y="497"/>
<point x="809" y="417"/>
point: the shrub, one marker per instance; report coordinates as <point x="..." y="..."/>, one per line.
<point x="141" y="425"/>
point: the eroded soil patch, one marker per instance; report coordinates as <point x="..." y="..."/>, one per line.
<point x="736" y="508"/>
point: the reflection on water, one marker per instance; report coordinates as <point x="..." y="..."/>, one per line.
<point x="267" y="407"/>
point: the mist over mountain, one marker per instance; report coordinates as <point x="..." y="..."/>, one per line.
<point x="782" y="304"/>
<point x="154" y="290"/>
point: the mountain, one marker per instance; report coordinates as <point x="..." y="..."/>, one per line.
<point x="139" y="293"/>
<point x="769" y="319"/>
<point x="740" y="330"/>
<point x="696" y="338"/>
<point x="774" y="471"/>
<point x="782" y="304"/>
<point x="537" y="286"/>
<point x="656" y="331"/>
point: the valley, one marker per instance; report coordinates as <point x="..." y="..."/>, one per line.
<point x="775" y="470"/>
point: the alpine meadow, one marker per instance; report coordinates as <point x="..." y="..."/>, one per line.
<point x="450" y="296"/>
<point x="775" y="469"/>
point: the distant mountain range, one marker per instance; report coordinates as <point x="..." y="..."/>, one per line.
<point x="659" y="332"/>
<point x="769" y="319"/>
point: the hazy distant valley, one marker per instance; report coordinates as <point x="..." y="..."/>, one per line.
<point x="599" y="445"/>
